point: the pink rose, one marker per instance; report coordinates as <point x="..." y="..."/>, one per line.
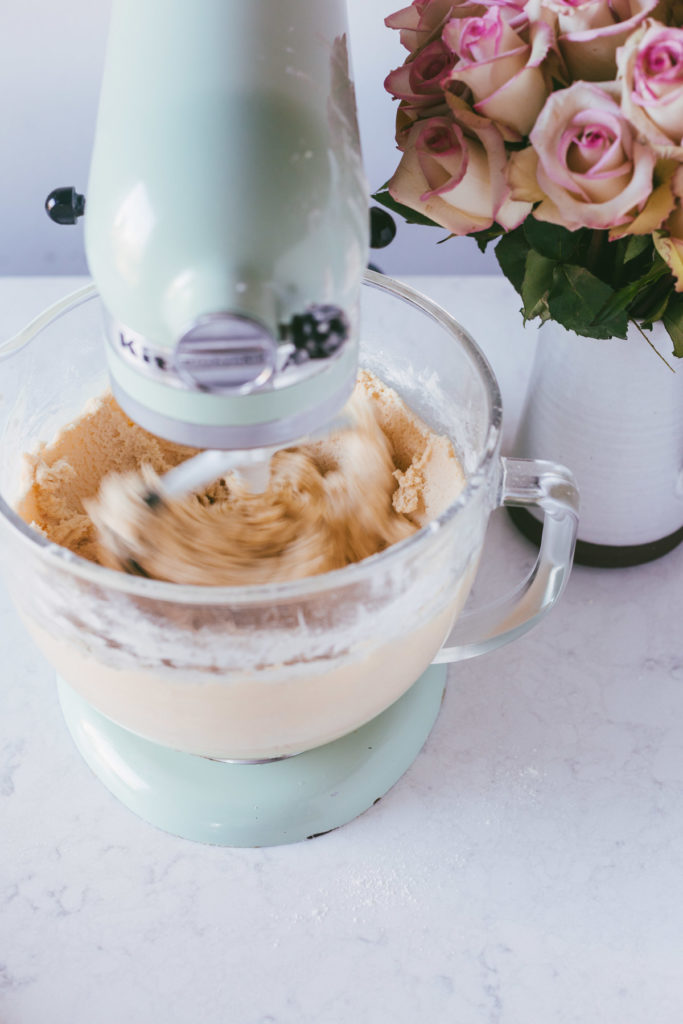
<point x="589" y="168"/>
<point x="420" y="82"/>
<point x="453" y="171"/>
<point x="590" y="31"/>
<point x="651" y="73"/>
<point x="420" y="21"/>
<point x="581" y="15"/>
<point x="501" y="69"/>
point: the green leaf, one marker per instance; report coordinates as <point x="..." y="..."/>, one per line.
<point x="511" y="253"/>
<point x="551" y="240"/>
<point x="673" y="321"/>
<point x="636" y="291"/>
<point x="655" y="313"/>
<point x="410" y="216"/>
<point x="576" y="300"/>
<point x="652" y="304"/>
<point x="538" y="280"/>
<point x="482" y="238"/>
<point x="636" y="246"/>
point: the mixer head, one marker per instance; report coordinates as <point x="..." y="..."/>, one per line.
<point x="226" y="221"/>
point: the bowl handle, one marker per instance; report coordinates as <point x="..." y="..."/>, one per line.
<point x="531" y="483"/>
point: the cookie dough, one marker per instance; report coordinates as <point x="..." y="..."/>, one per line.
<point x="328" y="503"/>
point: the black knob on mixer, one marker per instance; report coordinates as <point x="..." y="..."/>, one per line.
<point x="382" y="228"/>
<point x="318" y="333"/>
<point x="65" y="205"/>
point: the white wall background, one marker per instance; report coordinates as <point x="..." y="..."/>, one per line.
<point x="50" y="67"/>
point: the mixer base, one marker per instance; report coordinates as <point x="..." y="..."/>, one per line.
<point x="265" y="804"/>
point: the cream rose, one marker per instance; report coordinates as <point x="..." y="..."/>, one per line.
<point x="419" y="22"/>
<point x="453" y="171"/>
<point x="420" y="82"/>
<point x="590" y="31"/>
<point x="501" y="69"/>
<point x="584" y="162"/>
<point x="651" y="74"/>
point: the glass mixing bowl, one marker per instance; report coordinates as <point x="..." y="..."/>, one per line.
<point x="264" y="671"/>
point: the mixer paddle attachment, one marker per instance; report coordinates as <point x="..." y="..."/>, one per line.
<point x="252" y="465"/>
<point x="146" y="525"/>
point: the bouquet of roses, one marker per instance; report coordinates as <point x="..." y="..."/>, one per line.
<point x="556" y="127"/>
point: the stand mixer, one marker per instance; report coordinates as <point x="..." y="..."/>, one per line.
<point x="226" y="224"/>
<point x="226" y="231"/>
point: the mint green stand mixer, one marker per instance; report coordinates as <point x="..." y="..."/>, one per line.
<point x="226" y="229"/>
<point x="226" y="232"/>
<point x="227" y="219"/>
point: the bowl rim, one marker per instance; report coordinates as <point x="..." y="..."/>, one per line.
<point x="162" y="590"/>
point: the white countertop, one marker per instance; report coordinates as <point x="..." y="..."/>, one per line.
<point x="526" y="870"/>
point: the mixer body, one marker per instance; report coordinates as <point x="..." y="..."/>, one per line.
<point x="226" y="222"/>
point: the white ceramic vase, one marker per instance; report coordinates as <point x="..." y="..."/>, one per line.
<point x="611" y="411"/>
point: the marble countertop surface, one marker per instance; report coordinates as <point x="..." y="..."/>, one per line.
<point x="526" y="870"/>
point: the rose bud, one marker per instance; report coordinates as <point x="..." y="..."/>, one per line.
<point x="420" y="82"/>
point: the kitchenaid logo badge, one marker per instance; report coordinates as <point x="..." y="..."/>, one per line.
<point x="133" y="349"/>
